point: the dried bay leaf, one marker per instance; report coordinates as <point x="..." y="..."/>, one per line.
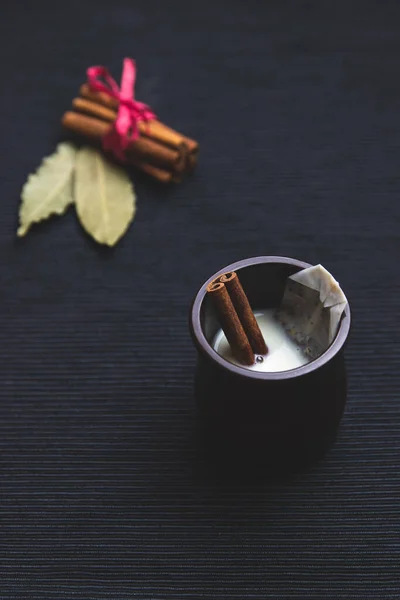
<point x="49" y="190"/>
<point x="104" y="197"/>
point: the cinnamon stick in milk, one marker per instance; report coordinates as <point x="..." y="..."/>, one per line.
<point x="230" y="323"/>
<point x="244" y="312"/>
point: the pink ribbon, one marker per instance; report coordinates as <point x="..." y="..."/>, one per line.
<point x="130" y="112"/>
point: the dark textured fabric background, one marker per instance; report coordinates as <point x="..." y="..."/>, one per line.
<point x="103" y="496"/>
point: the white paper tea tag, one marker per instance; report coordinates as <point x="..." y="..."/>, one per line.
<point x="311" y="309"/>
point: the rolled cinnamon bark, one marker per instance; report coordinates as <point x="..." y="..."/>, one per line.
<point x="244" y="312"/>
<point x="160" y="174"/>
<point x="100" y="97"/>
<point x="230" y="323"/>
<point x="153" y="129"/>
<point x="191" y="162"/>
<point x="94" y="109"/>
<point x="142" y="149"/>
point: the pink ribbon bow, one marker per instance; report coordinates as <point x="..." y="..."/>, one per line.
<point x="130" y="112"/>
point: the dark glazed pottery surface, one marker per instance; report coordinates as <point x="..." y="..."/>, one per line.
<point x="283" y="420"/>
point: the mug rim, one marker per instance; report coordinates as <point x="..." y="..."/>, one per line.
<point x="204" y="347"/>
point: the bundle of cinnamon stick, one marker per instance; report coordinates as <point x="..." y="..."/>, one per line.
<point x="237" y="318"/>
<point x="159" y="151"/>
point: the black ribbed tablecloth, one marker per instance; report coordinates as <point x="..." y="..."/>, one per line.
<point x="103" y="494"/>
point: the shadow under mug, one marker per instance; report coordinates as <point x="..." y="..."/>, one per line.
<point x="282" y="420"/>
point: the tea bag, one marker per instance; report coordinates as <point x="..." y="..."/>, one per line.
<point x="311" y="309"/>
